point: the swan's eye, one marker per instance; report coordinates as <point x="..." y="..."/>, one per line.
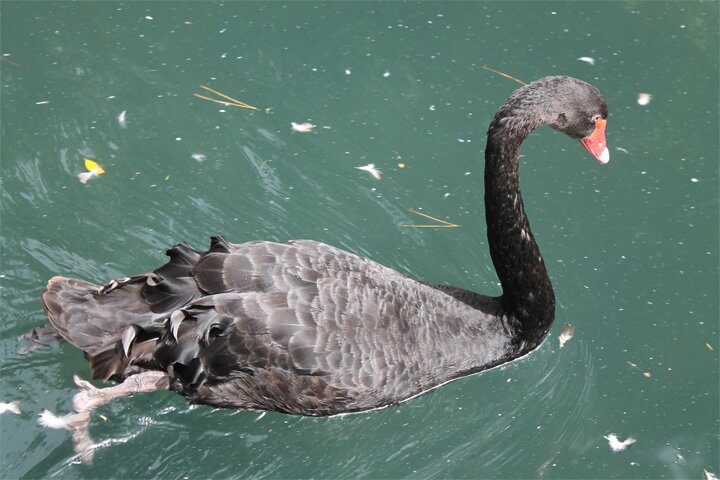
<point x="596" y="117"/>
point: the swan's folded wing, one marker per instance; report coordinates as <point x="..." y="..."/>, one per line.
<point x="270" y="266"/>
<point x="320" y="321"/>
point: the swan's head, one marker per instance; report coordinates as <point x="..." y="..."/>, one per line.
<point x="567" y="104"/>
<point x="578" y="110"/>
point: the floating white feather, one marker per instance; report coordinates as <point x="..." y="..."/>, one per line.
<point x="644" y="98"/>
<point x="121" y="119"/>
<point x="618" y="445"/>
<point x="85" y="176"/>
<point x="566" y="334"/>
<point x="302" y="127"/>
<point x="13" y="407"/>
<point x="370" y="168"/>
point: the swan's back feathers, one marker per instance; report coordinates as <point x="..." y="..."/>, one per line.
<point x="300" y="327"/>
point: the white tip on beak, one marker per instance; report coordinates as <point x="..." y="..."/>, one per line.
<point x="604" y="156"/>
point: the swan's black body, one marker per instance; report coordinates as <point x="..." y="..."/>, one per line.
<point x="302" y="327"/>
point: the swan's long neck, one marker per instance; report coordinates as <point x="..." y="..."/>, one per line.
<point x="527" y="292"/>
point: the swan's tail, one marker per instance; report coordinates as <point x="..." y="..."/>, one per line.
<point x="88" y="317"/>
<point x="93" y="318"/>
<point x="105" y="321"/>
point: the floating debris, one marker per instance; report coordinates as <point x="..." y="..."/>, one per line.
<point x="589" y="60"/>
<point x="567" y="333"/>
<point x="618" y="445"/>
<point x="94" y="170"/>
<point x="386" y="74"/>
<point x="401" y="165"/>
<point x="370" y="168"/>
<point x="5" y="59"/>
<point x="93" y="165"/>
<point x="43" y="102"/>
<point x="646" y="374"/>
<point x="302" y="127"/>
<point x="121" y="119"/>
<point x="199" y="157"/>
<point x="710" y="347"/>
<point x="504" y="75"/>
<point x="347" y="71"/>
<point x="644" y="98"/>
<point x="12" y="407"/>
<point x="442" y="223"/>
<point x="229" y="101"/>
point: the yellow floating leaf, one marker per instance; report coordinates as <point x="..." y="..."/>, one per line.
<point x="92" y="166"/>
<point x="647" y="374"/>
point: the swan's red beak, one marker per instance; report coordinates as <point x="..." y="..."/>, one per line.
<point x="595" y="143"/>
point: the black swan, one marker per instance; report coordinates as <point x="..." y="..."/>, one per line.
<point x="305" y="328"/>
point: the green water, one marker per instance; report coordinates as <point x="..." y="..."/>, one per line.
<point x="632" y="247"/>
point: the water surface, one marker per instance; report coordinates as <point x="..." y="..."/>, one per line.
<point x="632" y="247"/>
